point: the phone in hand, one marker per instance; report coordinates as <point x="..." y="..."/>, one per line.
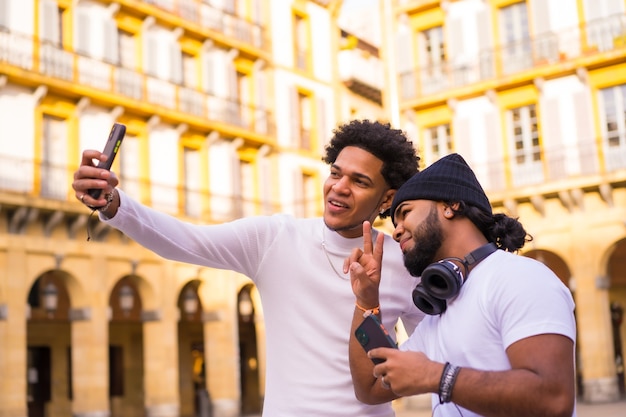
<point x="372" y="334"/>
<point x="110" y="149"/>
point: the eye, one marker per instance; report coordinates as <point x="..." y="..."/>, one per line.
<point x="403" y="212"/>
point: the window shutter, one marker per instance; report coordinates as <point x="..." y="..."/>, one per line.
<point x="111" y="42"/>
<point x="495" y="168"/>
<point x="485" y="44"/>
<point x="541" y="17"/>
<point x="49" y="22"/>
<point x="552" y="138"/>
<point x="4" y="13"/>
<point x="588" y="152"/>
<point x="233" y="91"/>
<point x="208" y="68"/>
<point x="261" y="101"/>
<point x="294" y="102"/>
<point x="454" y="45"/>
<point x="150" y="55"/>
<point x="83" y="31"/>
<point x="405" y="52"/>
<point x="176" y="62"/>
<point x="614" y="7"/>
<point x="322" y="124"/>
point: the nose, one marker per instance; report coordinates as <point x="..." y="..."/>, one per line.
<point x="397" y="232"/>
<point x="341" y="185"/>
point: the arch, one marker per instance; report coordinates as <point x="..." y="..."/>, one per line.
<point x="70" y="291"/>
<point x="616" y="263"/>
<point x="554" y="261"/>
<point x="248" y="351"/>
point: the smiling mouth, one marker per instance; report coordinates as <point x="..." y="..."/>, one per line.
<point x="403" y="244"/>
<point x="337" y="204"/>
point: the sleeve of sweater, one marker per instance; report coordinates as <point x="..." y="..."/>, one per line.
<point x="238" y="245"/>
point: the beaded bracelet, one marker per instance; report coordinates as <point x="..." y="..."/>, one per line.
<point x="368" y="311"/>
<point x="109" y="198"/>
<point x="448" y="378"/>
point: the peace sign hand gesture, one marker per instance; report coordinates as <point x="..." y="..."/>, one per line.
<point x="365" y="266"/>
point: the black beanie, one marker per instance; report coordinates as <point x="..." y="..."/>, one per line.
<point x="448" y="179"/>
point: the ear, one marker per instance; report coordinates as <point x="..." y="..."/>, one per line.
<point x="387" y="199"/>
<point x="449" y="209"/>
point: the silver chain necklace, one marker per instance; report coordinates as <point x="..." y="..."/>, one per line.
<point x="342" y="276"/>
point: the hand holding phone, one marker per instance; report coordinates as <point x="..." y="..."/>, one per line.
<point x="372" y="334"/>
<point x="110" y="149"/>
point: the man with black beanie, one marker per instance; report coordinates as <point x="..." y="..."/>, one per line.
<point x="499" y="335"/>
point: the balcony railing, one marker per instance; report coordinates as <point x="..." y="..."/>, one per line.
<point x="219" y="20"/>
<point x="556" y="163"/>
<point x="52" y="182"/>
<point x="27" y="53"/>
<point x="602" y="35"/>
<point x="362" y="73"/>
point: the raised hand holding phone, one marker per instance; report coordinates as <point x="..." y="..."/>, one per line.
<point x="110" y="150"/>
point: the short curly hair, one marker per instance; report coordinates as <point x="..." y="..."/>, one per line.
<point x="391" y="146"/>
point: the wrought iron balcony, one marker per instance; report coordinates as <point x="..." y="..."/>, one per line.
<point x="595" y="37"/>
<point x="27" y="53"/>
<point x="363" y="73"/>
<point x="222" y="20"/>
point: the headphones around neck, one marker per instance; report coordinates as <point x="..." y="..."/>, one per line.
<point x="443" y="280"/>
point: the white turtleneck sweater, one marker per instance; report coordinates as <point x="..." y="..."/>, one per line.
<point x="308" y="306"/>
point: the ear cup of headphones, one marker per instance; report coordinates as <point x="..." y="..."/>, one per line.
<point x="426" y="302"/>
<point x="442" y="279"/>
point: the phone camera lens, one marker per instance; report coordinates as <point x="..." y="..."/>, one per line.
<point x="362" y="337"/>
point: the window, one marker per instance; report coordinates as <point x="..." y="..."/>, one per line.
<point x="305" y="108"/>
<point x="434" y="47"/>
<point x="53" y="157"/>
<point x="305" y="192"/>
<point x="613" y="118"/>
<point x="51" y="22"/>
<point x="127" y="49"/>
<point x="523" y="131"/>
<point x="193" y="201"/>
<point x="432" y="58"/>
<point x="301" y="42"/>
<point x="246" y="188"/>
<point x="129" y="170"/>
<point x="516" y="46"/>
<point x="438" y="142"/>
<point x="244" y="88"/>
<point x="190" y="73"/>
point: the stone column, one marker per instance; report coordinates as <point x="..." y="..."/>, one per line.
<point x="593" y="315"/>
<point x="161" y="382"/>
<point x="13" y="402"/>
<point x="222" y="364"/>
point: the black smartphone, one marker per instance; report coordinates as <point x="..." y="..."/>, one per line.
<point x="372" y="334"/>
<point x="110" y="149"/>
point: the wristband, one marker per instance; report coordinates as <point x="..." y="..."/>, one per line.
<point x="368" y="311"/>
<point x="448" y="378"/>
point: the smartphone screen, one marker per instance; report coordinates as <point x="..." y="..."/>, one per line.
<point x="110" y="149"/>
<point x="372" y="334"/>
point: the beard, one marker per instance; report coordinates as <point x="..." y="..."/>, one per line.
<point x="428" y="238"/>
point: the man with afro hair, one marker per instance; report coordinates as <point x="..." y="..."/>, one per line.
<point x="295" y="263"/>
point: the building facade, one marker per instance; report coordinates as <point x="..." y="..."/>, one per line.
<point x="228" y="105"/>
<point x="533" y="94"/>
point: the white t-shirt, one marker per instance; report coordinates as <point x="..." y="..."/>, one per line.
<point x="308" y="307"/>
<point x="506" y="298"/>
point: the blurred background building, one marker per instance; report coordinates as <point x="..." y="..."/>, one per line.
<point x="228" y="105"/>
